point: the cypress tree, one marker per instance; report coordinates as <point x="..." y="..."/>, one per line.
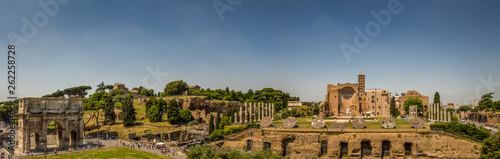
<point x="109" y="111"/>
<point x="217" y="120"/>
<point x="211" y="126"/>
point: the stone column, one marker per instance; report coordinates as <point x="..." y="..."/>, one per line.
<point x="267" y="109"/>
<point x="440" y="118"/>
<point x="252" y="118"/>
<point x="272" y="111"/>
<point x="449" y="117"/>
<point x="240" y="114"/>
<point x="246" y="112"/>
<point x="257" y="112"/>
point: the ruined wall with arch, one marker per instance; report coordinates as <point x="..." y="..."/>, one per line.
<point x="35" y="115"/>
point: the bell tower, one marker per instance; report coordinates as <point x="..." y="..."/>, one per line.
<point x="361" y="84"/>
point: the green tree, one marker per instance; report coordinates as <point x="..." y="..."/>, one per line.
<point x="155" y="112"/>
<point x="463" y="109"/>
<point x="285" y="113"/>
<point x="211" y="126"/>
<point x="413" y="101"/>
<point x="186" y="115"/>
<point x="93" y="107"/>
<point x="118" y="105"/>
<point x="451" y="110"/>
<point x="278" y="106"/>
<point x="109" y="87"/>
<point x="100" y="87"/>
<point x="393" y="110"/>
<point x="486" y="102"/>
<point x="437" y="98"/>
<point x="175" y="87"/>
<point x="151" y="92"/>
<point x="316" y="110"/>
<point x="152" y="101"/>
<point x="173" y="112"/>
<point x="109" y="111"/>
<point x="128" y="112"/>
<point x="217" y="120"/>
<point x="224" y="122"/>
<point x="491" y="147"/>
<point x="144" y="92"/>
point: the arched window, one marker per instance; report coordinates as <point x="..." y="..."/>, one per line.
<point x="324" y="147"/>
<point x="386" y="149"/>
<point x="267" y="145"/>
<point x="366" y="148"/>
<point x="344" y="150"/>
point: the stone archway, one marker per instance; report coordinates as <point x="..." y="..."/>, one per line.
<point x="54" y="135"/>
<point x="34" y="117"/>
<point x="73" y="138"/>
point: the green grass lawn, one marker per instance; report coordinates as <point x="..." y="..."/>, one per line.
<point x="111" y="153"/>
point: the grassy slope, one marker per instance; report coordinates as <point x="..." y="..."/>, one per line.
<point x="116" y="152"/>
<point x="146" y="125"/>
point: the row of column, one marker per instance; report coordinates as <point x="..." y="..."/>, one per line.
<point x="257" y="109"/>
<point x="435" y="113"/>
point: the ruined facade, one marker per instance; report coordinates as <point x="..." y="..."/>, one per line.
<point x="400" y="101"/>
<point x="201" y="109"/>
<point x="351" y="99"/>
<point x="35" y="115"/>
<point x="298" y="145"/>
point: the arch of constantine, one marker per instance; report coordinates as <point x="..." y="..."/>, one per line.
<point x="35" y="115"/>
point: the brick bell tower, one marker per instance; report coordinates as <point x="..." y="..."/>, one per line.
<point x="361" y="94"/>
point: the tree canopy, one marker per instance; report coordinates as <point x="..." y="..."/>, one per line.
<point x="73" y="92"/>
<point x="437" y="98"/>
<point x="175" y="88"/>
<point x="413" y="101"/>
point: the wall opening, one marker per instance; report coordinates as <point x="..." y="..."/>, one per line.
<point x="408" y="147"/>
<point x="324" y="147"/>
<point x="249" y="145"/>
<point x="386" y="148"/>
<point x="344" y="150"/>
<point x="366" y="148"/>
<point x="287" y="147"/>
<point x="267" y="145"/>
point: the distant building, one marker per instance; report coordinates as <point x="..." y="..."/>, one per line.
<point x="400" y="101"/>
<point x="451" y="105"/>
<point x="298" y="104"/>
<point x="378" y="102"/>
<point x="194" y="87"/>
<point x="475" y="104"/>
<point x="351" y="99"/>
<point x="125" y="89"/>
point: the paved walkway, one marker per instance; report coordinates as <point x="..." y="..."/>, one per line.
<point x="106" y="144"/>
<point x="114" y="143"/>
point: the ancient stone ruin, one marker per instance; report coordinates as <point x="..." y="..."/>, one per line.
<point x="318" y="123"/>
<point x="359" y="123"/>
<point x="35" y="115"/>
<point x="388" y="123"/>
<point x="289" y="122"/>
<point x="266" y="121"/>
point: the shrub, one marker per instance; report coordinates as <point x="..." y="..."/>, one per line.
<point x="463" y="130"/>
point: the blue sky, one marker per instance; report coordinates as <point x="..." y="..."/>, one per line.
<point x="445" y="46"/>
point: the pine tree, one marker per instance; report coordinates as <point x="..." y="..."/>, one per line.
<point x="437" y="98"/>
<point x="128" y="112"/>
<point x="109" y="111"/>
<point x="211" y="125"/>
<point x="394" y="111"/>
<point x="173" y="112"/>
<point x="232" y="116"/>
<point x="155" y="112"/>
<point x="217" y="120"/>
